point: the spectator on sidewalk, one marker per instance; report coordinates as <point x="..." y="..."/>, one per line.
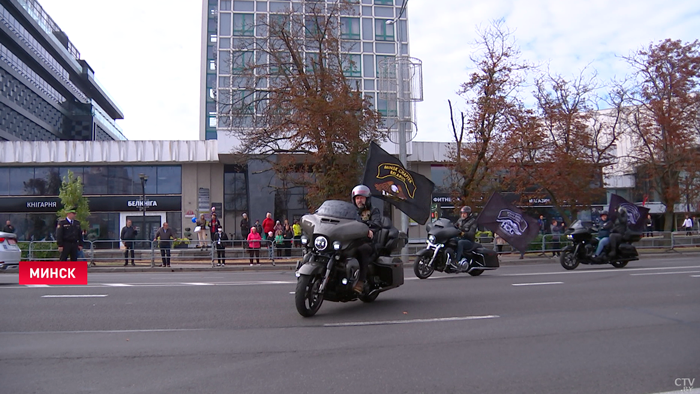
<point x="201" y="234"/>
<point x="650" y="226"/>
<point x="296" y="227"/>
<point x="258" y="227"/>
<point x="214" y="226"/>
<point x="164" y="235"/>
<point x="288" y="235"/>
<point x="128" y="235"/>
<point x="271" y="246"/>
<point x="268" y="225"/>
<point x="221" y="241"/>
<point x="279" y="242"/>
<point x="556" y="237"/>
<point x="245" y="226"/>
<point x="254" y="245"/>
<point x="688" y="225"/>
<point x="9" y="228"/>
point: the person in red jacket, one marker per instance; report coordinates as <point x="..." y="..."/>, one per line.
<point x="268" y="224"/>
<point x="254" y="245"/>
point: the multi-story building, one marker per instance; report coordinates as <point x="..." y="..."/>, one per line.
<point x="371" y="34"/>
<point x="47" y="92"/>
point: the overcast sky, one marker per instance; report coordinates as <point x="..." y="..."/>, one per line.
<point x="146" y="53"/>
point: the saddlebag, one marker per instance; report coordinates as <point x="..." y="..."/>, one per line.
<point x="389" y="270"/>
<point x="628" y="250"/>
<point x="488" y="257"/>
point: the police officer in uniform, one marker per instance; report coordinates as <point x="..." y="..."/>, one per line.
<point x="69" y="236"/>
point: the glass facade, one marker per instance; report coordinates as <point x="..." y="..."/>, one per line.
<point x="97" y="180"/>
<point x="235" y="31"/>
<point x="115" y="181"/>
<point x="235" y="199"/>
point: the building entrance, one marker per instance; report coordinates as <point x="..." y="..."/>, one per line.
<point x="153" y="223"/>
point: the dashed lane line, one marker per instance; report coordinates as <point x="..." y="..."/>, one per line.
<point x="538" y="284"/>
<point x="388" y="322"/>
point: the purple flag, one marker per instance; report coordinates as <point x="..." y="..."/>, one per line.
<point x="509" y="222"/>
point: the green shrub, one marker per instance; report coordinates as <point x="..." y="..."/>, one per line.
<point x="45" y="251"/>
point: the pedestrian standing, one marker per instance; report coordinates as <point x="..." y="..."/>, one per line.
<point x="268" y="225"/>
<point x="270" y="239"/>
<point x="279" y="242"/>
<point x="9" y="228"/>
<point x="254" y="245"/>
<point x="296" y="227"/>
<point x="245" y="226"/>
<point x="200" y="229"/>
<point x="556" y="240"/>
<point x="288" y="235"/>
<point x="258" y="227"/>
<point x="128" y="235"/>
<point x="220" y="240"/>
<point x="650" y="226"/>
<point x="688" y="225"/>
<point x="214" y="225"/>
<point x="499" y="241"/>
<point x="164" y="235"/>
<point x="69" y="236"/>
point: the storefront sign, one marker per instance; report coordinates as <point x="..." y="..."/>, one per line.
<point x="96" y="204"/>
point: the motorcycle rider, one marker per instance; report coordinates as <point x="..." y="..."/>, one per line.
<point x="372" y="218"/>
<point x="618" y="231"/>
<point x="603" y="233"/>
<point x="467" y="226"/>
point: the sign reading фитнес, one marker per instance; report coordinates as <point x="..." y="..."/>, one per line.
<point x="53" y="273"/>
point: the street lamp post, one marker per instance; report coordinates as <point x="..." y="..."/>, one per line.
<point x="144" y="178"/>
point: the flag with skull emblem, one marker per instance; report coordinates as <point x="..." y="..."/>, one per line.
<point x="509" y="222"/>
<point x="387" y="179"/>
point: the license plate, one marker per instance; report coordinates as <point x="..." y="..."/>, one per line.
<point x="12" y="241"/>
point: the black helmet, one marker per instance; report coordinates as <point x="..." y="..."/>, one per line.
<point x="603" y="213"/>
<point x="466" y="209"/>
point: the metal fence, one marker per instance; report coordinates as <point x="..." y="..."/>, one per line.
<point x="149" y="253"/>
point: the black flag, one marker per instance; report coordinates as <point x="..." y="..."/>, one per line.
<point x="509" y="222"/>
<point x="409" y="191"/>
<point x="636" y="216"/>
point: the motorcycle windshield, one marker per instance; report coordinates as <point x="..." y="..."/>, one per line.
<point x="337" y="209"/>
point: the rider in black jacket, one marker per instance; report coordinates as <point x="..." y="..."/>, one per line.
<point x="372" y="218"/>
<point x="467" y="226"/>
<point x="618" y="231"/>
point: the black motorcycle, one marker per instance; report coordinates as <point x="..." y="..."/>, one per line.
<point x="584" y="245"/>
<point x="442" y="244"/>
<point x="329" y="271"/>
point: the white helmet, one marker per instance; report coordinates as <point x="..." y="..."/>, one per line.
<point x="361" y="190"/>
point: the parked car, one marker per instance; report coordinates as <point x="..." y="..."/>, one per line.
<point x="10" y="253"/>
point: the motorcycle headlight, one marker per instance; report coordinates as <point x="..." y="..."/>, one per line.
<point x="569" y="236"/>
<point x="336" y="245"/>
<point x="304" y="240"/>
<point x="431" y="238"/>
<point x="321" y="243"/>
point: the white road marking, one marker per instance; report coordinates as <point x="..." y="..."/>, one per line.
<point x="695" y="276"/>
<point x="198" y="284"/>
<point x="74" y="296"/>
<point x="665" y="273"/>
<point x="107" y="331"/>
<point x="538" y="284"/>
<point x="118" y="284"/>
<point x="386" y="322"/>
<point x="37" y="285"/>
<point x="292" y="292"/>
<point x="597" y="271"/>
<point x="172" y="284"/>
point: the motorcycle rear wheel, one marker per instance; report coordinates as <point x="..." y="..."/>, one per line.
<point x="475" y="272"/>
<point x="421" y="267"/>
<point x="306" y="297"/>
<point x="619" y="264"/>
<point x="568" y="260"/>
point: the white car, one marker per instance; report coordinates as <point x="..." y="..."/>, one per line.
<point x="10" y="253"/>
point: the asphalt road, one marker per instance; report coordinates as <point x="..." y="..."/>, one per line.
<point x="531" y="328"/>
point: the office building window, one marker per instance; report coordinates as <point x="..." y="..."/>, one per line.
<point x="383" y="31"/>
<point x="243" y="25"/>
<point x="350" y="28"/>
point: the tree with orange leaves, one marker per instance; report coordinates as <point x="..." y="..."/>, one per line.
<point x="294" y="104"/>
<point x="663" y="116"/>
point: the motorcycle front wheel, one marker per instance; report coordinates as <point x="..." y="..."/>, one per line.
<point x="619" y="264"/>
<point x="306" y="296"/>
<point x="422" y="267"/>
<point x="476" y="272"/>
<point x="568" y="260"/>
